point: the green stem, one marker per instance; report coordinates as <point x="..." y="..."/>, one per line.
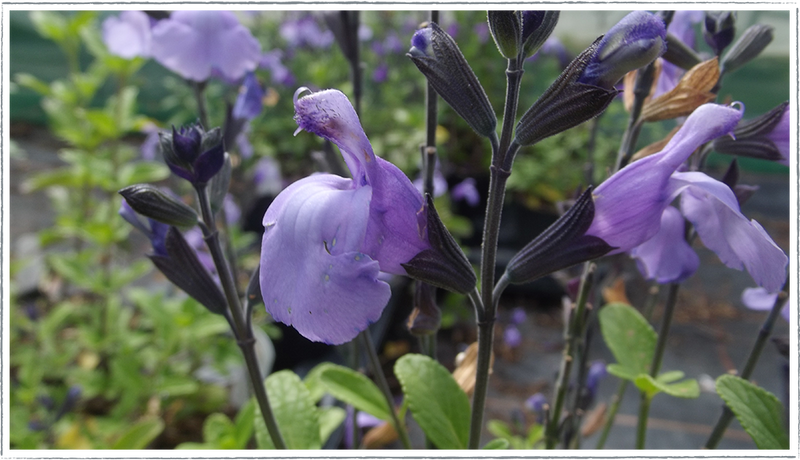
<point x="491" y="230"/>
<point x="377" y="371"/>
<point x="575" y="330"/>
<point x="641" y="425"/>
<point x="752" y="359"/>
<point x="199" y="95"/>
<point x="244" y="335"/>
<point x="616" y="400"/>
<point x="655" y="365"/>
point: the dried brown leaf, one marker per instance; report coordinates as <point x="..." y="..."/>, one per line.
<point x="466" y="367"/>
<point x="629" y="83"/>
<point x="692" y="91"/>
<point x="595" y="419"/>
<point x="616" y="292"/>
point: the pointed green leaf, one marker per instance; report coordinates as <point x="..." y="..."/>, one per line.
<point x="140" y="434"/>
<point x="355" y="389"/>
<point x="684" y="389"/>
<point x="670" y="376"/>
<point x="497" y="444"/>
<point x="313" y="382"/>
<point x="294" y="412"/>
<point x="244" y="424"/>
<point x="329" y="419"/>
<point x="216" y="428"/>
<point x="438" y="404"/>
<point x="758" y="411"/>
<point x="629" y="336"/>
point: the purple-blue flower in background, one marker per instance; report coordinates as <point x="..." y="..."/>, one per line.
<point x="512" y="337"/>
<point x="381" y="73"/>
<point x="466" y="190"/>
<point x="305" y="31"/>
<point x="128" y="35"/>
<point x="272" y="61"/>
<point x="667" y="257"/>
<point x="326" y="238"/>
<point x="481" y="30"/>
<point x="193" y="43"/>
<point x="250" y="100"/>
<point x="760" y="300"/>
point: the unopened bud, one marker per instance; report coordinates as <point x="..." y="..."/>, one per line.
<point x="750" y="44"/>
<point x="719" y="30"/>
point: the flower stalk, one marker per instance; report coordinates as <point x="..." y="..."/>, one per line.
<point x="574" y="330"/>
<point x="761" y="340"/>
<point x="244" y="335"/>
<point x="497" y="181"/>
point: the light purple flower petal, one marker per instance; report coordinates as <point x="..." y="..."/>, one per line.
<point x="512" y="337"/>
<point x="395" y="233"/>
<point x="313" y="273"/>
<point x="439" y="183"/>
<point x="267" y="176"/>
<point x="128" y="35"/>
<point x="150" y="145"/>
<point x="629" y="204"/>
<point x="760" y="300"/>
<point x="466" y="190"/>
<point x="667" y="257"/>
<point x="192" y="43"/>
<point x="249" y="101"/>
<point x="712" y="208"/>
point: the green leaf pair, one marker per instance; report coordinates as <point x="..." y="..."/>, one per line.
<point x="633" y="342"/>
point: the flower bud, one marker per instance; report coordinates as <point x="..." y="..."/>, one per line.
<point x="586" y="86"/>
<point x="182" y="267"/>
<point x="679" y="54"/>
<point x="193" y="154"/>
<point x="765" y="137"/>
<point x="536" y="29"/>
<point x="506" y="29"/>
<point x="437" y="56"/>
<point x="444" y="265"/>
<point x="635" y="41"/>
<point x="719" y="30"/>
<point x="750" y="44"/>
<point x="561" y="245"/>
<point x="151" y="202"/>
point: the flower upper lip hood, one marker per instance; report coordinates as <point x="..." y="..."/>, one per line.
<point x="326" y="238"/>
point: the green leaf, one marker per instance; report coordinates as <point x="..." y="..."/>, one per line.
<point x="295" y="413"/>
<point x="29" y="81"/>
<point x="65" y="177"/>
<point x="439" y="405"/>
<point x="670" y="376"/>
<point x="49" y="24"/>
<point x="497" y="444"/>
<point x="177" y="385"/>
<point x="194" y="446"/>
<point x="355" y="389"/>
<point x="216" y="427"/>
<point x="758" y="411"/>
<point x="684" y="389"/>
<point x="313" y="382"/>
<point x="630" y="337"/>
<point x="140" y="434"/>
<point x="329" y="419"/>
<point x="499" y="429"/>
<point x="244" y="424"/>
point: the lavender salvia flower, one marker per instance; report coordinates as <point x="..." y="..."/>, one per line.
<point x="128" y="35"/>
<point x="586" y="86"/>
<point x="250" y="100"/>
<point x="629" y="205"/>
<point x="327" y="238"/>
<point x="272" y="61"/>
<point x="765" y="137"/>
<point x="193" y="43"/>
<point x="667" y="257"/>
<point x="760" y="300"/>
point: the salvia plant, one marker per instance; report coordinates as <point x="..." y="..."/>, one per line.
<point x="335" y="242"/>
